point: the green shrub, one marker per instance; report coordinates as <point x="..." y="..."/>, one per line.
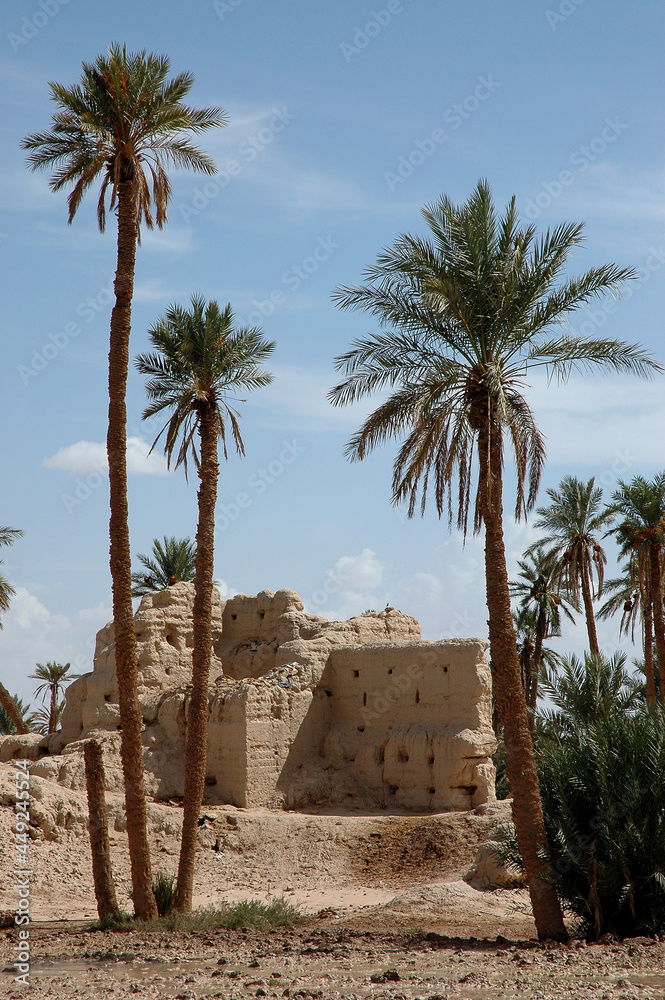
<point x="602" y="783"/>
<point x="165" y="892"/>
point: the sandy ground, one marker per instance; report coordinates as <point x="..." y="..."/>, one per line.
<point x="389" y="917"/>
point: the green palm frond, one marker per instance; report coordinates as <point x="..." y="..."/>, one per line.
<point x="172" y="561"/>
<point x="199" y="363"/>
<point x="464" y="313"/>
<point x="123" y="120"/>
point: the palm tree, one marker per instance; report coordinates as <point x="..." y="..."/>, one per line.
<point x="641" y="533"/>
<point x="540" y="609"/>
<point x="581" y="690"/>
<point x="200" y="359"/>
<point x="53" y="676"/>
<point x="631" y="595"/>
<point x="470" y="308"/>
<point x="172" y="562"/>
<point x="573" y="520"/>
<point x="7" y="536"/>
<point x="10" y="707"/>
<point x="124" y="122"/>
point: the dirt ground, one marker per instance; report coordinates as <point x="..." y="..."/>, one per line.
<point x="389" y="916"/>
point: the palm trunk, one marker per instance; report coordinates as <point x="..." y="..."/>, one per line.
<point x="541" y="627"/>
<point x="648" y="652"/>
<point x="588" y="611"/>
<point x="12" y="711"/>
<point x="54" y="709"/>
<point x="509" y="694"/>
<point x="102" y="873"/>
<point x="196" y="746"/>
<point x="658" y="623"/>
<point x="131" y="749"/>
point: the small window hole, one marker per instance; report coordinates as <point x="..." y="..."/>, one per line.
<point x="356" y="673"/>
<point x="417" y="697"/>
<point x="364" y="697"/>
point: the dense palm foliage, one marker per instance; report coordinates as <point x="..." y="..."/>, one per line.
<point x="601" y="765"/>
<point x="124" y="123"/>
<point x="199" y="364"/>
<point x="639" y="507"/>
<point x="540" y="608"/>
<point x="572" y="523"/>
<point x="172" y="562"/>
<point x="7" y="724"/>
<point x="467" y="316"/>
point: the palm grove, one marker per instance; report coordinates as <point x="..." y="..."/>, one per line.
<point x="465" y="315"/>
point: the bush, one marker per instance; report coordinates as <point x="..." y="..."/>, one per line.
<point x="165" y="892"/>
<point x="603" y="794"/>
<point x="602" y="784"/>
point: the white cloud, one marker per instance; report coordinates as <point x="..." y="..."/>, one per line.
<point x="349" y="587"/>
<point x="297" y="400"/>
<point x="33" y="634"/>
<point x="90" y="456"/>
<point x="614" y="422"/>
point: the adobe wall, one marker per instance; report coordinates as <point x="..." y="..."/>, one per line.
<point x="303" y="711"/>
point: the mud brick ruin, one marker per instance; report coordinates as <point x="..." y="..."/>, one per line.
<point x="304" y="712"/>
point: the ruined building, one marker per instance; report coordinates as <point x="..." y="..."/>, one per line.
<point x="303" y="712"/>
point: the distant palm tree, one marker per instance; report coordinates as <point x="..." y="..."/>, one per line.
<point x="53" y="676"/>
<point x="631" y="595"/>
<point x="572" y="522"/>
<point x="540" y="607"/>
<point x="7" y="536"/>
<point x="640" y="532"/>
<point x="583" y="689"/>
<point x="9" y="707"/>
<point x="466" y="314"/>
<point x="123" y="121"/>
<point x="200" y="360"/>
<point x="172" y="562"/>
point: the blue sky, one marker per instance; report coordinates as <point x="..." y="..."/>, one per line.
<point x="344" y="120"/>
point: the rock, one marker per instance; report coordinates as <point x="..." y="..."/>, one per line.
<point x="488" y="871"/>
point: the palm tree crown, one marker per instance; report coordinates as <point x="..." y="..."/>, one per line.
<point x="471" y="308"/>
<point x="172" y="562"/>
<point x="123" y="121"/>
<point x="7" y="536"/>
<point x="201" y="361"/>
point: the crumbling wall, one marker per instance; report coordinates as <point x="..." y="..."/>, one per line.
<point x="303" y="711"/>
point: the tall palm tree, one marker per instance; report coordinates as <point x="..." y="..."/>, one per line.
<point x="199" y="362"/>
<point x="573" y="521"/>
<point x="465" y="316"/>
<point x="631" y="595"/>
<point x="122" y="124"/>
<point x="53" y="676"/>
<point x="541" y="607"/>
<point x="172" y="562"/>
<point x="640" y="532"/>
